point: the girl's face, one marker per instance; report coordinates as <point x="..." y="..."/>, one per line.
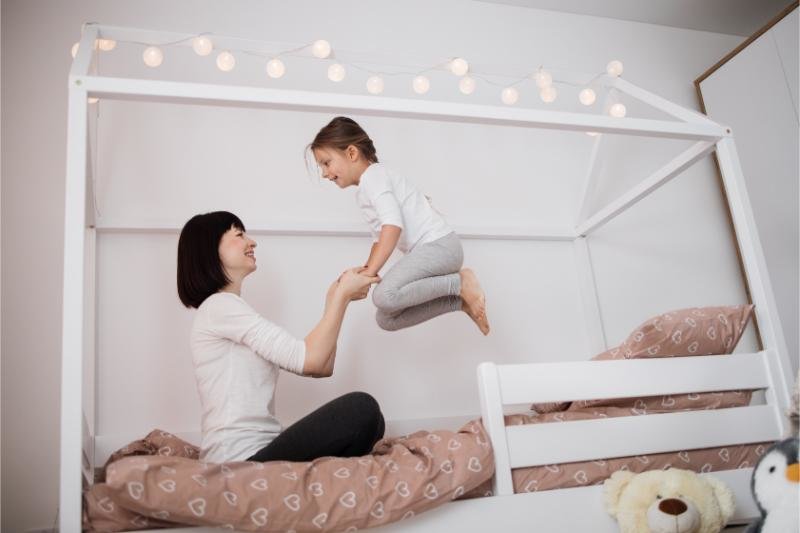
<point x="343" y="167"/>
<point x="237" y="253"/>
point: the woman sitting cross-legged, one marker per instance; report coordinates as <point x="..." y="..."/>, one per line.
<point x="237" y="355"/>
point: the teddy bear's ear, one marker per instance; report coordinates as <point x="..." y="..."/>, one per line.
<point x="613" y="487"/>
<point x="724" y="497"/>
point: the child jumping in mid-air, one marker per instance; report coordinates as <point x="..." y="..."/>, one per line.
<point x="428" y="281"/>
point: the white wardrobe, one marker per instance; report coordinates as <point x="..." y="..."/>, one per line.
<point x="754" y="90"/>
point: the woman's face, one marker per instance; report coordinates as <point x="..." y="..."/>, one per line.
<point x="237" y="253"/>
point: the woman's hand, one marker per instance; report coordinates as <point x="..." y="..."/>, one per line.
<point x="353" y="285"/>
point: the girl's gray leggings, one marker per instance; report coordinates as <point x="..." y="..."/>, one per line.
<point x="423" y="284"/>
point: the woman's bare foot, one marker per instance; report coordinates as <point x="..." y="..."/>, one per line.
<point x="473" y="300"/>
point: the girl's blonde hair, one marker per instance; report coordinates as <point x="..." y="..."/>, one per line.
<point x="342" y="132"/>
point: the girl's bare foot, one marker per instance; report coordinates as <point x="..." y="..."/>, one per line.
<point x="473" y="300"/>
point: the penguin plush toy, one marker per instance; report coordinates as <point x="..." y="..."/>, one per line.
<point x="776" y="489"/>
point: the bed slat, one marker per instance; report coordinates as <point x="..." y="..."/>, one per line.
<point x="588" y="380"/>
<point x="564" y="442"/>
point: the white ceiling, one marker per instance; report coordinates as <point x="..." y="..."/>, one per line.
<point x="735" y="17"/>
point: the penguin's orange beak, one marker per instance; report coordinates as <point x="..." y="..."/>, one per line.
<point x="793" y="473"/>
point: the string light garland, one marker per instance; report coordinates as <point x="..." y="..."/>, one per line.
<point x="203" y="45"/>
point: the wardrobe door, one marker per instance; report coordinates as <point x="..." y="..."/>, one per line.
<point x="755" y="93"/>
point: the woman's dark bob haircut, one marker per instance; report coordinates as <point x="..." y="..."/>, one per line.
<point x="200" y="270"/>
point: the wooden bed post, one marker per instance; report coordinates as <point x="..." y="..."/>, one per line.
<point x="755" y="267"/>
<point x="72" y="420"/>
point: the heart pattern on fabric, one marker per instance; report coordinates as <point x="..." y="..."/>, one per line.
<point x="168" y="470"/>
<point x="230" y="497"/>
<point x="106" y="505"/>
<point x="639" y="408"/>
<point x="292" y="501"/>
<point x="706" y="468"/>
<point x="135" y="489"/>
<point x="342" y="473"/>
<point x="259" y="517"/>
<point x="684" y="456"/>
<point x="316" y="489"/>
<point x="474" y="464"/>
<point x="161" y="515"/>
<point x="407" y="515"/>
<point x="453" y="444"/>
<point x="458" y="492"/>
<point x="419" y="467"/>
<point x="372" y="481"/>
<point x="200" y="480"/>
<point x="580" y="477"/>
<point x="226" y="471"/>
<point x="447" y="467"/>
<point x="430" y="491"/>
<point x="531" y="486"/>
<point x="165" y="450"/>
<point x="140" y="521"/>
<point x="725" y="455"/>
<point x="433" y="437"/>
<point x="348" y="499"/>
<point x="320" y="520"/>
<point x="402" y="489"/>
<point x="260" y="484"/>
<point x="377" y="510"/>
<point x="289" y="475"/>
<point x="198" y="506"/>
<point x="167" y="485"/>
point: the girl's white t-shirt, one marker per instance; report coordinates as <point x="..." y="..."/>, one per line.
<point x="387" y="198"/>
<point x="236" y="355"/>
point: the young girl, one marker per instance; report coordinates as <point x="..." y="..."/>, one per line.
<point x="429" y="280"/>
<point x="237" y="355"/>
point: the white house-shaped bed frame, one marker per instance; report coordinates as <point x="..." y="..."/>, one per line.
<point x="578" y="509"/>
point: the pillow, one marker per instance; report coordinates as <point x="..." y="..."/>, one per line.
<point x="692" y="331"/>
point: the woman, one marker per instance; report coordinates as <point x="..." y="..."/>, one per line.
<point x="237" y="355"/>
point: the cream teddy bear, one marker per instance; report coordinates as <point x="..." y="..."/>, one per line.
<point x="668" y="501"/>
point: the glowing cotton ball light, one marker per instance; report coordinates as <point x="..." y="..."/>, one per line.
<point x="152" y="56"/>
<point x="548" y="94"/>
<point x="543" y="78"/>
<point x="275" y="68"/>
<point x="587" y="96"/>
<point x="321" y="48"/>
<point x="106" y="45"/>
<point x="459" y="66"/>
<point x="421" y="84"/>
<point x="617" y="110"/>
<point x="375" y="85"/>
<point x="509" y="96"/>
<point x="336" y="72"/>
<point x="466" y="85"/>
<point x="226" y="61"/>
<point x="202" y="45"/>
<point x="614" y="68"/>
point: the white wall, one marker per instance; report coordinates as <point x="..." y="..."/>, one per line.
<point x="768" y="150"/>
<point x="672" y="251"/>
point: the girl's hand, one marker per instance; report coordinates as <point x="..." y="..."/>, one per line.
<point x="355" y="286"/>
